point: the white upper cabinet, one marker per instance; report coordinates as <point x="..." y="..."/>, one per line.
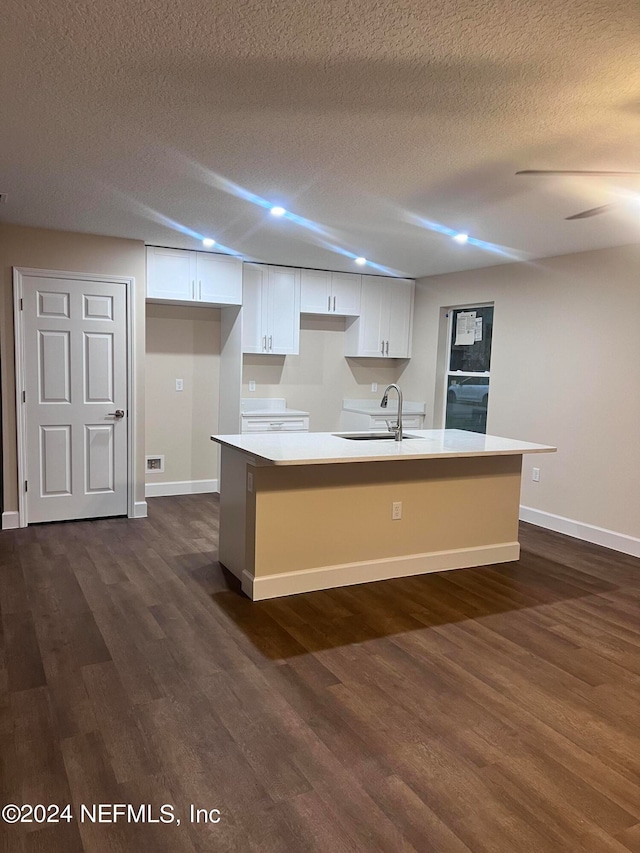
<point x="219" y="279"/>
<point x="271" y="312"/>
<point x="383" y="329"/>
<point x="324" y="292"/>
<point x="170" y="274"/>
<point x="174" y="275"/>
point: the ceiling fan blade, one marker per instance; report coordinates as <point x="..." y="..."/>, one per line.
<point x="575" y="172"/>
<point x="593" y="212"/>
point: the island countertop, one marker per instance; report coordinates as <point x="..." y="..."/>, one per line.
<point x="326" y="448"/>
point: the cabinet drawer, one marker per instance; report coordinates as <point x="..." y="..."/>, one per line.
<point x="408" y="421"/>
<point x="275" y="424"/>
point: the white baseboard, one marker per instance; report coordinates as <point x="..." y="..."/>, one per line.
<point x="185" y="487"/>
<point x="347" y="574"/>
<point x="10" y="520"/>
<point x="140" y="509"/>
<point x="580" y="530"/>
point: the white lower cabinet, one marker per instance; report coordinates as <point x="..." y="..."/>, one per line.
<point x="275" y="423"/>
<point x="325" y="292"/>
<point x="271" y="310"/>
<point x="175" y="275"/>
<point x="379" y="423"/>
<point x="383" y="329"/>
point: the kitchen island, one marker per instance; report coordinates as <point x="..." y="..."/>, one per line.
<point x="310" y="511"/>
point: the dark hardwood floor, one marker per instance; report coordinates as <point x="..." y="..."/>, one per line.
<point x="493" y="709"/>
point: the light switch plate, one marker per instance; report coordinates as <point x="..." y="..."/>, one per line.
<point x="252" y="385"/>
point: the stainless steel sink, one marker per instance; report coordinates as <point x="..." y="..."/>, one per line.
<point x="371" y="436"/>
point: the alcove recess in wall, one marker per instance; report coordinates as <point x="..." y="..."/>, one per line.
<point x="319" y="378"/>
<point x="182" y="343"/>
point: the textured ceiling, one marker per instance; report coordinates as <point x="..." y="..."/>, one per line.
<point x="382" y="126"/>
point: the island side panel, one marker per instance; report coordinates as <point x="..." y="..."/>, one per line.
<point x="319" y="526"/>
<point x="236" y="504"/>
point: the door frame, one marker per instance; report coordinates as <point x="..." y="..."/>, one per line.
<point x="21" y="421"/>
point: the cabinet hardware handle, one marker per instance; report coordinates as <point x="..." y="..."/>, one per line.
<point x="334" y="303"/>
<point x="382" y="350"/>
<point x="387" y="349"/>
<point x="193" y="289"/>
<point x="328" y="303"/>
<point x="270" y="342"/>
<point x="264" y="343"/>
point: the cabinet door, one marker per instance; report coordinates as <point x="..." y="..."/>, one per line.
<point x="371" y="331"/>
<point x="400" y="314"/>
<point x="219" y="279"/>
<point x="345" y="293"/>
<point x="315" y="292"/>
<point x="170" y="274"/>
<point x="254" y="284"/>
<point x="283" y="311"/>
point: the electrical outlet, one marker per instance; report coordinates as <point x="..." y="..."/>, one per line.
<point x="374" y="386"/>
<point x="252" y="385"/>
<point x="535" y="475"/>
<point x="396" y="510"/>
<point x="154" y="464"/>
<point x="179" y="385"/>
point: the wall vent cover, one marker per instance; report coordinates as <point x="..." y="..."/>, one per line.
<point x="154" y="464"/>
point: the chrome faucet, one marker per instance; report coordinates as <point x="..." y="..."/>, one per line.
<point x="397" y="429"/>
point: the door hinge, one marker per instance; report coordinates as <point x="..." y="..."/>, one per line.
<point x="21" y="304"/>
<point x="24" y="396"/>
<point x="26" y="486"/>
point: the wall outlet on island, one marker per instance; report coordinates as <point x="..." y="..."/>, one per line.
<point x="374" y="386"/>
<point x="252" y="385"/>
<point x="396" y="510"/>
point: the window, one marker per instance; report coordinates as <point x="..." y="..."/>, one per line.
<point x="467" y="391"/>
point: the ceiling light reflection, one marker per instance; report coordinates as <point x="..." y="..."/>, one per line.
<point x="494" y="248"/>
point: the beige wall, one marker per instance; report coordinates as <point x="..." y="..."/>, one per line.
<point x="60" y="250"/>
<point x="182" y="343"/>
<point x="317" y="380"/>
<point x="564" y="371"/>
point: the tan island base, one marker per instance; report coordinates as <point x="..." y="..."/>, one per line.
<point x="291" y="529"/>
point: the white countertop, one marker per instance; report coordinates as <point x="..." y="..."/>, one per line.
<point x="323" y="448"/>
<point x="259" y="406"/>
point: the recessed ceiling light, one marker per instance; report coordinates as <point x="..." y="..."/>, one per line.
<point x="208" y="242"/>
<point x="278" y="211"/>
<point x="361" y="261"/>
<point x="461" y="238"/>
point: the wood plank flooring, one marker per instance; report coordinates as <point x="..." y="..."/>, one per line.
<point x="493" y="709"/>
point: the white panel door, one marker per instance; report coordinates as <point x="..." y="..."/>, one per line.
<point x="75" y="378"/>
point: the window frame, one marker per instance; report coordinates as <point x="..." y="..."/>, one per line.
<point x="450" y="312"/>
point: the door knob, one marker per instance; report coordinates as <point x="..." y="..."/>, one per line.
<point x="119" y="413"/>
